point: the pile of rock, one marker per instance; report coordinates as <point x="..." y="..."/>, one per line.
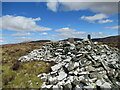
<point x="80" y="64"/>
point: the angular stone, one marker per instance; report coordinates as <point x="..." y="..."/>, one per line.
<point x="82" y="73"/>
<point x="76" y="64"/>
<point x="76" y="80"/>
<point x="94" y="75"/>
<point x="68" y="59"/>
<point x="68" y="85"/>
<point x="75" y="72"/>
<point x="71" y="78"/>
<point x="81" y="78"/>
<point x="95" y="43"/>
<point x="59" y="50"/>
<point x="90" y="68"/>
<point x="56" y="67"/>
<point x="55" y="87"/>
<point x="53" y="80"/>
<point x="106" y="85"/>
<point x="62" y="75"/>
<point x="99" y="82"/>
<point x="89" y="87"/>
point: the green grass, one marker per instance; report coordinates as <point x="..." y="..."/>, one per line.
<point x="25" y="74"/>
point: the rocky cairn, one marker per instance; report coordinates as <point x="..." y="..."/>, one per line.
<point x="79" y="65"/>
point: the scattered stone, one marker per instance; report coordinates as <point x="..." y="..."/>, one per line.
<point x="78" y="65"/>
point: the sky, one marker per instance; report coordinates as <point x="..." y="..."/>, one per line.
<point x="30" y="21"/>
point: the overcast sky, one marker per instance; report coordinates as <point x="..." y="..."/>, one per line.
<point x="26" y="21"/>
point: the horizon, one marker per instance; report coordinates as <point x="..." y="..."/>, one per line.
<point x="58" y="40"/>
<point x="31" y="21"/>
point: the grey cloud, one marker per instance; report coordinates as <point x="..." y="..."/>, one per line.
<point x="103" y="7"/>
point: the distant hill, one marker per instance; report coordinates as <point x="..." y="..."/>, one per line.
<point x="75" y="39"/>
<point x="38" y="41"/>
<point x="106" y="39"/>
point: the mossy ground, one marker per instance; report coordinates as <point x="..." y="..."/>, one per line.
<point x="21" y="75"/>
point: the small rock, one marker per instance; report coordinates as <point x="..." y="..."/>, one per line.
<point x="56" y="67"/>
<point x="99" y="82"/>
<point x="106" y="85"/>
<point x="62" y="75"/>
<point x="90" y="68"/>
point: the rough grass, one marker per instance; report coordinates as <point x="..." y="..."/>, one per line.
<point x="21" y="75"/>
<point x="111" y="44"/>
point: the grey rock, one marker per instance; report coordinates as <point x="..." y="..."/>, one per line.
<point x="62" y="75"/>
<point x="106" y="85"/>
<point x="70" y="78"/>
<point x="89" y="87"/>
<point x="56" y="67"/>
<point x="68" y="84"/>
<point x="99" y="82"/>
<point x="90" y="68"/>
<point x="81" y="77"/>
<point x="76" y="64"/>
<point x="53" y="80"/>
<point x="76" y="80"/>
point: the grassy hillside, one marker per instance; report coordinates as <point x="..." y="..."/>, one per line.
<point x="21" y="75"/>
<point x="113" y="41"/>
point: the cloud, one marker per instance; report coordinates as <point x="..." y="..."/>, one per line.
<point x="21" y="23"/>
<point x="66" y="29"/>
<point x="22" y="34"/>
<point x="68" y="32"/>
<point x="52" y="6"/>
<point x="105" y="21"/>
<point x="103" y="7"/>
<point x="37" y="19"/>
<point x="97" y="34"/>
<point x="114" y="27"/>
<point x="80" y="32"/>
<point x="1" y="41"/>
<point x="94" y="18"/>
<point x="43" y="33"/>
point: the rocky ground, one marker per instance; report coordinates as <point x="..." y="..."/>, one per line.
<point x="79" y="65"/>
